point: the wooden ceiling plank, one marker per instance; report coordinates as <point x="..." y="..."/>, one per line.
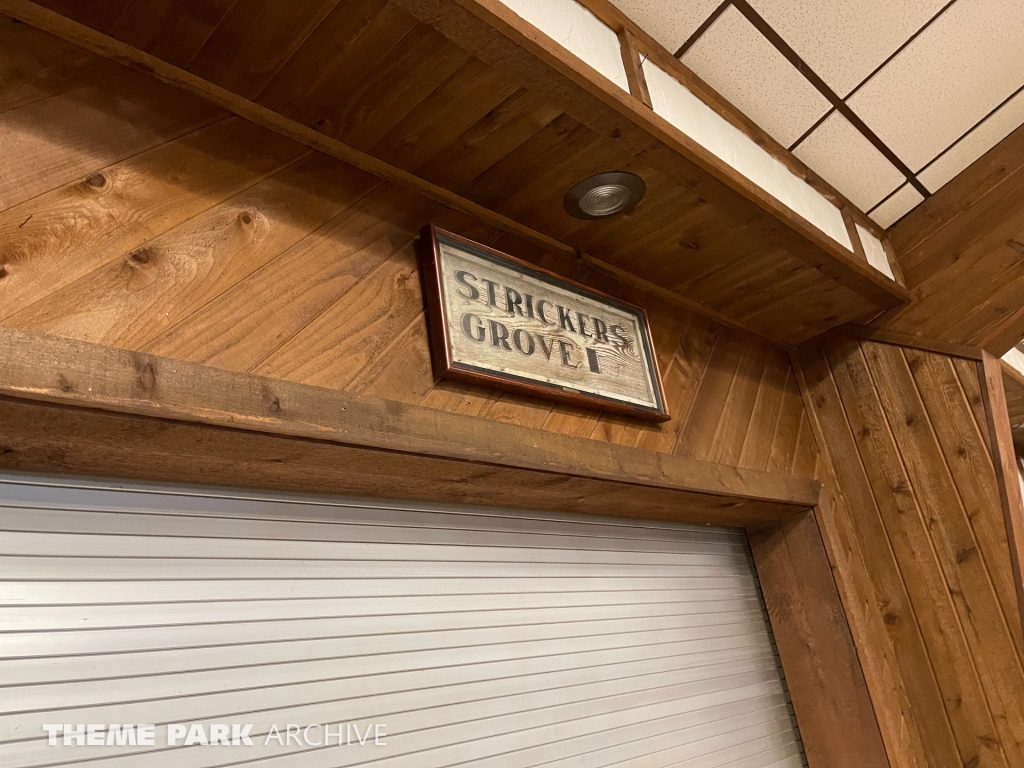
<point x="173" y="30"/>
<point x="497" y="35"/>
<point x="51" y="369"/>
<point x="36" y="65"/>
<point x="344" y="49"/>
<point x="88" y="38"/>
<point x="254" y="39"/>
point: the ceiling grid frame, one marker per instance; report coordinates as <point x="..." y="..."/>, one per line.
<point x="911" y="189"/>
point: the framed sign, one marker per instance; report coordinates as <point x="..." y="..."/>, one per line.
<point x="499" y="321"/>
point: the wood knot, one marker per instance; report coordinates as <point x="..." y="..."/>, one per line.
<point x="245" y="218"/>
<point x="911" y="420"/>
<point x="1017" y="245"/>
<point x="964" y="554"/>
<point x="961" y="451"/>
<point x="3" y="271"/>
<point x="97" y="180"/>
<point x="693" y="245"/>
<point x="864" y="433"/>
<point x="146" y="376"/>
<point x="274" y="405"/>
<point x="890" y="619"/>
<point x="141" y="256"/>
<point x="64" y="385"/>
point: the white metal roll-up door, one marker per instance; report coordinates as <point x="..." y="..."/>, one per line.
<point x="473" y="636"/>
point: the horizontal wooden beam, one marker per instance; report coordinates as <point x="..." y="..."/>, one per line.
<point x="68" y="372"/>
<point x="498" y="36"/>
<point x="909" y="340"/>
<point x="104" y="45"/>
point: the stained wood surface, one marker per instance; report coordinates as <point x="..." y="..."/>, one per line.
<point x="823" y="672"/>
<point x="962" y="254"/>
<point x="915" y="533"/>
<point x="235" y="247"/>
<point x="1013" y="387"/>
<point x="365" y="81"/>
<point x="51" y="369"/>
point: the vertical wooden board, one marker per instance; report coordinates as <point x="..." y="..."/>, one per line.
<point x="857" y="586"/>
<point x="254" y="39"/>
<point x="343" y="50"/>
<point x="134" y="299"/>
<point x="497" y="134"/>
<point x="984" y="627"/>
<point x="53" y="141"/>
<point x="969" y="374"/>
<point x="457" y="104"/>
<point x="294" y="288"/>
<point x="1006" y="467"/>
<point x="858" y="529"/>
<point x="52" y="240"/>
<point x="98" y="14"/>
<point x="373" y="106"/>
<point x="823" y="673"/>
<point x="682" y="376"/>
<point x="172" y="30"/>
<point x="906" y="528"/>
<point x="347" y="336"/>
<point x="805" y="459"/>
<point x="973" y="471"/>
<point x="786" y="435"/>
<point x="696" y="437"/>
<point x="739" y="406"/>
<point x="35" y="65"/>
<point x="757" y="444"/>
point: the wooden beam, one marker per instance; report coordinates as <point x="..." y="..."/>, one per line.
<point x="634" y="69"/>
<point x="57" y="370"/>
<point x="908" y="340"/>
<point x="1007" y="474"/>
<point x="495" y="34"/>
<point x="823" y="672"/>
<point x="97" y="42"/>
<point x="46" y="438"/>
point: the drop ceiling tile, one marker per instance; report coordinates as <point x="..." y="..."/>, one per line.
<point x="946" y="80"/>
<point x="670" y="22"/>
<point x="897" y="206"/>
<point x="739" y="62"/>
<point x="844" y="41"/>
<point x="849" y="162"/>
<point x="979" y="141"/>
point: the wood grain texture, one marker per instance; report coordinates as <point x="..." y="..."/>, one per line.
<point x="320" y="287"/>
<point x="962" y="255"/>
<point x="51" y="369"/>
<point x="823" y="673"/>
<point x="914" y="530"/>
<point x="1013" y="387"/>
<point x="371" y="84"/>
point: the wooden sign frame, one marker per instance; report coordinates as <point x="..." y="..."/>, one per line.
<point x="446" y="366"/>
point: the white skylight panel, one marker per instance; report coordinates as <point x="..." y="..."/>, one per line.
<point x="577" y="30"/>
<point x="875" y="251"/>
<point x="677" y="104"/>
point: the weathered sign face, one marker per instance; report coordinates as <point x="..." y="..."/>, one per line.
<point x="499" y="321"/>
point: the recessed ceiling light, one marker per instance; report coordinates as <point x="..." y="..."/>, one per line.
<point x="604" y="195"/>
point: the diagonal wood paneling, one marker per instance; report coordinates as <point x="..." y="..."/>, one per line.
<point x="916" y="536"/>
<point x="367" y="73"/>
<point x="222" y="243"/>
<point x="962" y="254"/>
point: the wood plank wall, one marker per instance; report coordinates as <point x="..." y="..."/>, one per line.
<point x="135" y="215"/>
<point x="962" y="254"/>
<point x="916" y="537"/>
